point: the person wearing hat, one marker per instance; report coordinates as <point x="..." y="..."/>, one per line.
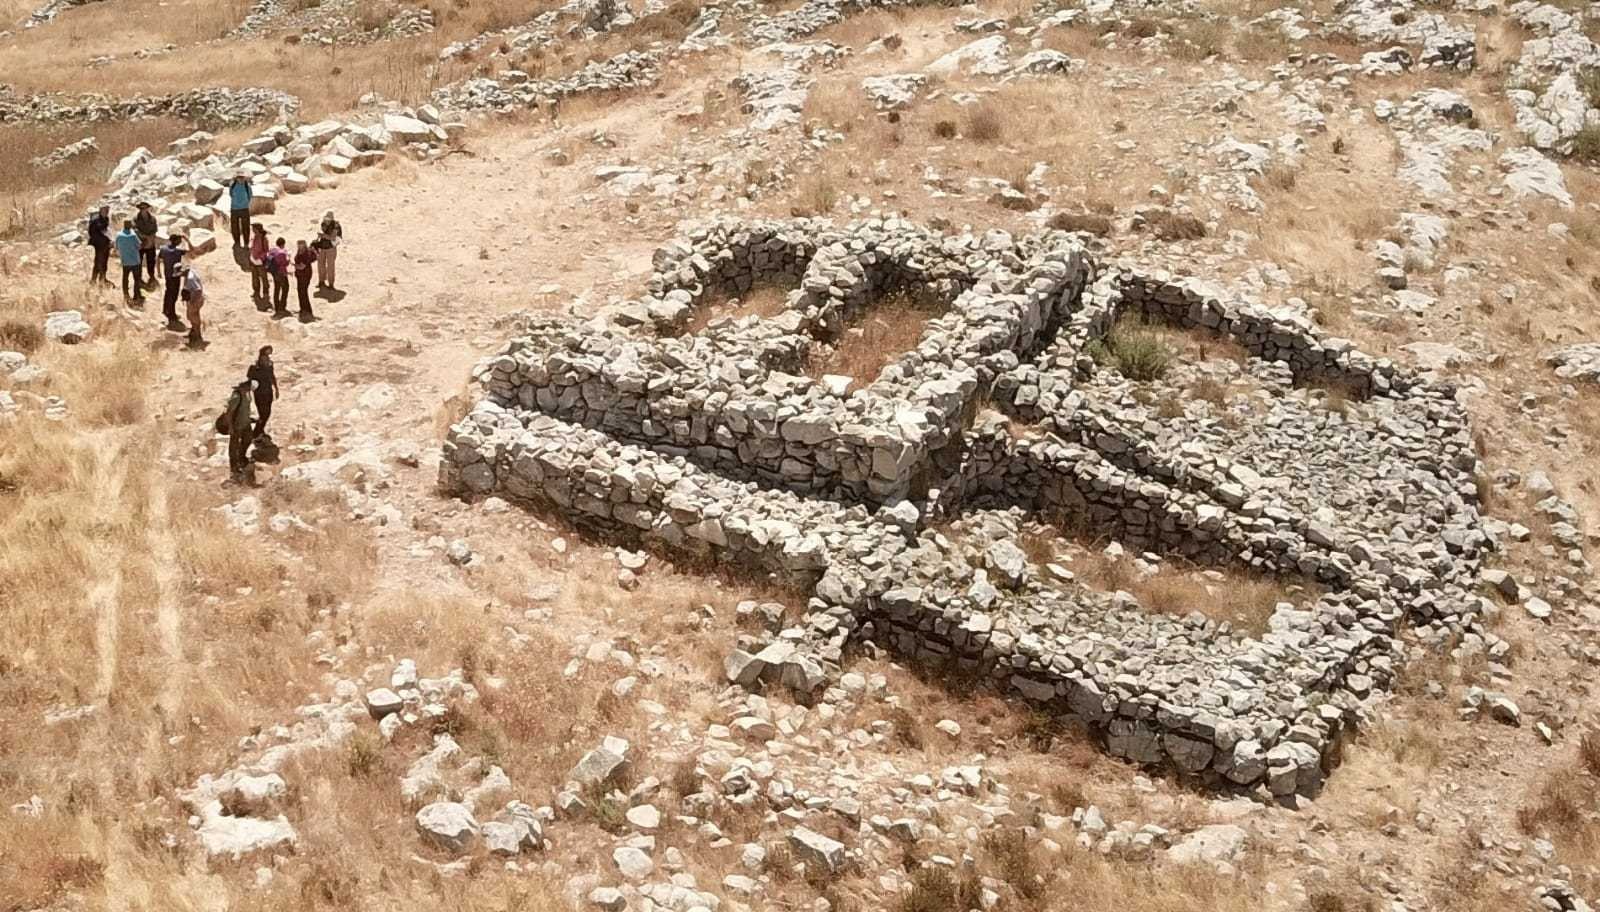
<point x="145" y="224"/>
<point x="329" y="235"/>
<point x="239" y="196"/>
<point x="129" y="256"/>
<point x="235" y="422"/>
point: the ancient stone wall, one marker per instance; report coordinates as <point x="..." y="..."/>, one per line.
<point x="712" y="444"/>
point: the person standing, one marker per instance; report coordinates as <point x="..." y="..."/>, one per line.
<point x="239" y="196"/>
<point x="265" y="377"/>
<point x="128" y="254"/>
<point x="330" y="234"/>
<point x="145" y="224"/>
<point x="258" y="262"/>
<point x="171" y="255"/>
<point x="305" y="261"/>
<point x="100" y="240"/>
<point x="278" y="271"/>
<point x="236" y="424"/>
<point x="194" y="297"/>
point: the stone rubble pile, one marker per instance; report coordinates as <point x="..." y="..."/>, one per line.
<point x="333" y="21"/>
<point x="52" y="9"/>
<point x="460" y="800"/>
<point x="812" y="16"/>
<point x="719" y="445"/>
<point x="216" y="107"/>
<point x="1445" y="43"/>
<point x="189" y="197"/>
<point x="513" y="89"/>
<point x="1545" y="85"/>
<point x="582" y="18"/>
<point x="63" y="154"/>
<point x="1577" y="362"/>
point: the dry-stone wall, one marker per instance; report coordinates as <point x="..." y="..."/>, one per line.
<point x="209" y="107"/>
<point x="716" y="444"/>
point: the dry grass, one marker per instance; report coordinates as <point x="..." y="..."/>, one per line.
<point x="33" y="199"/>
<point x="986" y="122"/>
<point x="762" y="301"/>
<point x="889" y="328"/>
<point x="1085" y="222"/>
<point x="818" y="191"/>
<point x="1174" y="226"/>
<point x="839" y="104"/>
<point x="1243" y="600"/>
<point x="1035" y="879"/>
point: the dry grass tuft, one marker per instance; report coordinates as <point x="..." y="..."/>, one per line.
<point x="986" y="122"/>
<point x="1174" y="226"/>
<point x="16" y="335"/>
<point x="763" y="301"/>
<point x="1589" y="752"/>
<point x="1084" y="222"/>
<point x="889" y="328"/>
<point x="935" y="889"/>
<point x="839" y="104"/>
<point x="816" y="193"/>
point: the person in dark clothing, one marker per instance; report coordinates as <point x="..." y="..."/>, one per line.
<point x="239" y="196"/>
<point x="236" y="424"/>
<point x="278" y="270"/>
<point x="127" y="242"/>
<point x="145" y="225"/>
<point x="100" y="240"/>
<point x="171" y="258"/>
<point x="305" y="263"/>
<point x="265" y="378"/>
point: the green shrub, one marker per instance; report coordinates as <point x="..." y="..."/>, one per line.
<point x="1586" y="145"/>
<point x="1136" y="352"/>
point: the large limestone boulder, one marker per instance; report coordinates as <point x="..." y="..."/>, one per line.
<point x="601" y="765"/>
<point x="819" y="852"/>
<point x="235" y="837"/>
<point x="448" y="825"/>
<point x="66" y="326"/>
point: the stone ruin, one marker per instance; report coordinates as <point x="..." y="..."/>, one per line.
<point x="715" y="445"/>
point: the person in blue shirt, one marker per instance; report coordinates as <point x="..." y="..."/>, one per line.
<point x="129" y="254"/>
<point x="239" y="196"/>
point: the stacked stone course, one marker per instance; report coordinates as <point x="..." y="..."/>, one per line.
<point x="715" y="444"/>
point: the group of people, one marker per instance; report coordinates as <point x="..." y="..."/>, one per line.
<point x="139" y="251"/>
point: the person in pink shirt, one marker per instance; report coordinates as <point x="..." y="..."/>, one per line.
<point x="258" y="262"/>
<point x="277" y="265"/>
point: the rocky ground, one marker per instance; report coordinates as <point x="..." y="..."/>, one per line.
<point x="349" y="688"/>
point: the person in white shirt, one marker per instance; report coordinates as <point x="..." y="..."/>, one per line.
<point x="194" y="297"/>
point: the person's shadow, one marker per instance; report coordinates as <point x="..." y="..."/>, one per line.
<point x="241" y="258"/>
<point x="331" y="295"/>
